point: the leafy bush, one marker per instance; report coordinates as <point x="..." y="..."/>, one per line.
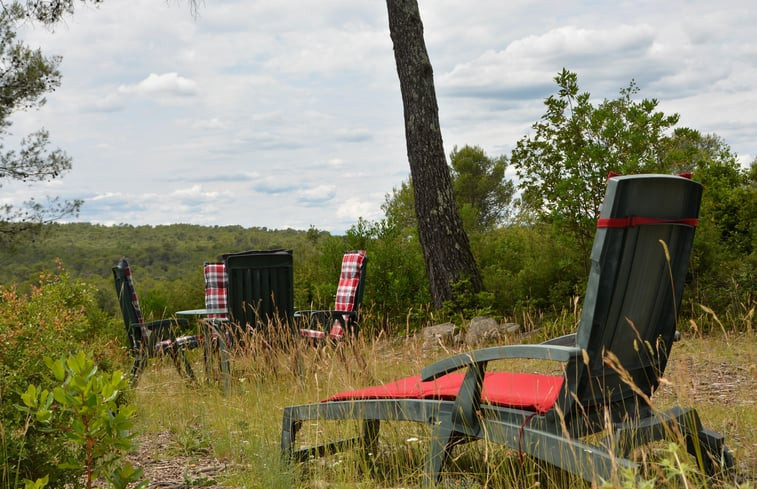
<point x="86" y="411"/>
<point x="58" y="317"/>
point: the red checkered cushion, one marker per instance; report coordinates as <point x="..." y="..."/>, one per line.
<point x="352" y="264"/>
<point x="518" y="390"/>
<point x="131" y="290"/>
<point x="312" y="333"/>
<point x="216" y="283"/>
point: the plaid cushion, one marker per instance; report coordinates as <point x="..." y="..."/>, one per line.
<point x="336" y="332"/>
<point x="131" y="290"/>
<point x="216" y="283"/>
<point x="312" y="333"/>
<point x="352" y="265"/>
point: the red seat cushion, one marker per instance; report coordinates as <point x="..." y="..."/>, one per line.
<point x="534" y="392"/>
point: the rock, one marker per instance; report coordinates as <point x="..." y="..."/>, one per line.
<point x="438" y="334"/>
<point x="482" y="329"/>
<point x="512" y="328"/>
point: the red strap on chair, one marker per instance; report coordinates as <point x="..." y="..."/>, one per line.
<point x="631" y="221"/>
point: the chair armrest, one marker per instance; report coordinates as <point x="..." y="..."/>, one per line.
<point x="301" y="312"/>
<point x="321" y="311"/>
<point x="558" y="353"/>
<point x="161" y="323"/>
<point x="565" y="340"/>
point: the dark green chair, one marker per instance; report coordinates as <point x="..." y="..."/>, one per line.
<point x="260" y="289"/>
<point x="149" y="339"/>
<point x="612" y="365"/>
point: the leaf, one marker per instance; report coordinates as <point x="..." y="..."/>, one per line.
<point x="30" y="396"/>
<point x="43" y="415"/>
<point x="108" y="393"/>
<point x="48" y="398"/>
<point x="78" y="427"/>
<point x="56" y="367"/>
<point x="91" y="400"/>
<point x="36" y="484"/>
<point x="60" y="396"/>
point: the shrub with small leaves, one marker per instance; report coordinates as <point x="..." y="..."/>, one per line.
<point x="85" y="408"/>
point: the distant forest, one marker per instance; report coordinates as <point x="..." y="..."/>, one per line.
<point x="167" y="261"/>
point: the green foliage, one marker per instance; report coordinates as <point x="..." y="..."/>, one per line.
<point x="482" y="194"/>
<point x="564" y="165"/>
<point x="36" y="484"/>
<point x="466" y="303"/>
<point x="528" y="267"/>
<point x="563" y="169"/>
<point x="724" y="257"/>
<point x="57" y="317"/>
<point x="84" y="407"/>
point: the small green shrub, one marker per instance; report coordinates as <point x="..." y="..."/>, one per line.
<point x="84" y="408"/>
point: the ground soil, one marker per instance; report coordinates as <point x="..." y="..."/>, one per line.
<point x="166" y="466"/>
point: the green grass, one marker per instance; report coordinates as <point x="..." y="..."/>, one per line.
<point x="242" y="426"/>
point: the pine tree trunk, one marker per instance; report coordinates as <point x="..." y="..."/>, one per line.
<point x="446" y="248"/>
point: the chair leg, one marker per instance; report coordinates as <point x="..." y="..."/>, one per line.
<point x="706" y="446"/>
<point x="140" y="362"/>
<point x="716" y="458"/>
<point x="289" y="431"/>
<point x="216" y="361"/>
<point x="181" y="362"/>
<point x="443" y="439"/>
<point x="370" y="437"/>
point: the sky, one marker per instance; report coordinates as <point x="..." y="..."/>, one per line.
<point x="288" y="114"/>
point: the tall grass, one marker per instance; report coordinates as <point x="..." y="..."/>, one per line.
<point x="242" y="424"/>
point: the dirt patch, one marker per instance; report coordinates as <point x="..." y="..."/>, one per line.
<point x="166" y="465"/>
<point x="709" y="381"/>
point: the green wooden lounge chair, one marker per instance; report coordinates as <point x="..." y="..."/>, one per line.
<point x="151" y="338"/>
<point x="343" y="319"/>
<point x="612" y="365"/>
<point x="260" y="289"/>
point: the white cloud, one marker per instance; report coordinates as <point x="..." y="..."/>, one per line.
<point x="212" y="123"/>
<point x="528" y="65"/>
<point x="353" y="209"/>
<point x="164" y="84"/>
<point x="317" y="195"/>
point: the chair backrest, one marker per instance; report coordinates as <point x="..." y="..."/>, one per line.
<point x="128" y="301"/>
<point x="216" y="284"/>
<point x="261" y="287"/>
<point x="349" y="291"/>
<point x="638" y="267"/>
